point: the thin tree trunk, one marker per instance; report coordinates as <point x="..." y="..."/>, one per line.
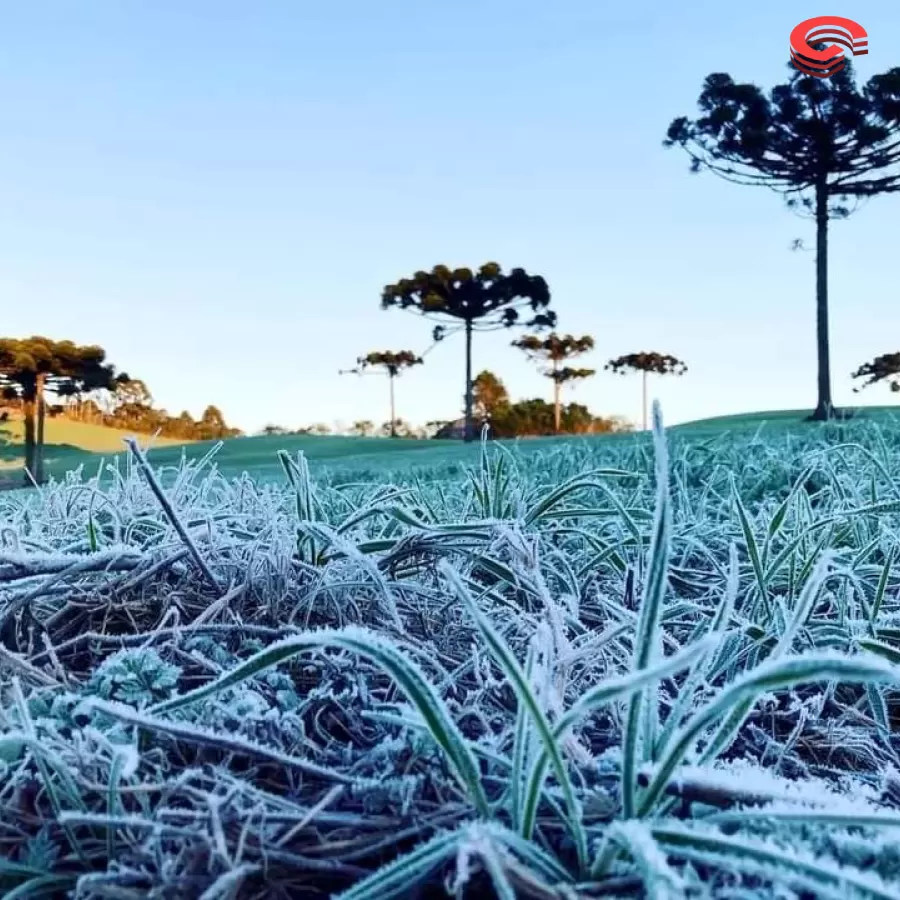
<point x="557" y="416"/>
<point x="824" y="406"/>
<point x="644" y="395"/>
<point x="41" y="417"/>
<point x="393" y="415"/>
<point x="468" y="430"/>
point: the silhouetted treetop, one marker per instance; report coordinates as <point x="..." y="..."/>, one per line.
<point x="393" y="361"/>
<point x="561" y="376"/>
<point x="487" y="297"/>
<point x="62" y="362"/>
<point x="554" y="347"/>
<point x="806" y="132"/>
<point x="882" y="368"/>
<point x="659" y="363"/>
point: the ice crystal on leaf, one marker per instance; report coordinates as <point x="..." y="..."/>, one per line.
<point x="140" y="677"/>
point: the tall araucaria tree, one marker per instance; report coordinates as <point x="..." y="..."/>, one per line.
<point x="646" y="363"/>
<point x="32" y="366"/>
<point x="393" y="363"/>
<point x="825" y="144"/>
<point x="884" y="368"/>
<point x="474" y="301"/>
<point x="555" y="349"/>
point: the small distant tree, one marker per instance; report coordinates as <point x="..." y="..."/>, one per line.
<point x="213" y="420"/>
<point x="32" y="366"/>
<point x="556" y="349"/>
<point x="213" y="417"/>
<point x="536" y="417"/>
<point x="646" y="364"/>
<point x="133" y="392"/>
<point x="883" y="368"/>
<point x="476" y="301"/>
<point x="523" y="418"/>
<point x="489" y="395"/>
<point x="397" y="428"/>
<point x="820" y="142"/>
<point x="363" y="428"/>
<point x="184" y="425"/>
<point x="393" y="363"/>
<point x="433" y="426"/>
<point x="132" y="406"/>
<point x="617" y="424"/>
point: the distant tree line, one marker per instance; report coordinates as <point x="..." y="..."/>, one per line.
<point x="399" y="428"/>
<point x="491" y="405"/>
<point x="533" y="417"/>
<point x="130" y="407"/>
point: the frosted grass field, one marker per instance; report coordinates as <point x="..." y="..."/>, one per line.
<point x="618" y="669"/>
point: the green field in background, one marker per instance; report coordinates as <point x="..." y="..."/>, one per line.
<point x="74" y="444"/>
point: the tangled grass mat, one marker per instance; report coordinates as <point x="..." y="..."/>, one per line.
<point x="663" y="670"/>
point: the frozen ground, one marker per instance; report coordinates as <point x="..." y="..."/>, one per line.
<point x="595" y="669"/>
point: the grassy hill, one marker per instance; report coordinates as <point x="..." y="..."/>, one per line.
<point x="68" y="444"/>
<point x="777" y="420"/>
<point x="67" y="433"/>
<point x="784" y="416"/>
<point x="72" y="444"/>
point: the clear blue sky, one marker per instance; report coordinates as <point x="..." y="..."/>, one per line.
<point x="217" y="191"/>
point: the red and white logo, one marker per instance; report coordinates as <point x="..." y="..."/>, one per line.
<point x="835" y="31"/>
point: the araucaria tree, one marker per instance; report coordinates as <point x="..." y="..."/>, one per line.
<point x="474" y="301"/>
<point x="556" y="349"/>
<point x="34" y="365"/>
<point x="393" y="363"/>
<point x="823" y="143"/>
<point x="883" y="368"/>
<point x="646" y="363"/>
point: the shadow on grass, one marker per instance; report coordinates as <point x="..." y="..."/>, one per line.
<point x="10" y="449"/>
<point x="58" y="459"/>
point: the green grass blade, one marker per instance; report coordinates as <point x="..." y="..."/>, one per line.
<point x="525" y="696"/>
<point x="399" y="877"/>
<point x="647" y="637"/>
<point x="819" y="876"/>
<point x="769" y="676"/>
